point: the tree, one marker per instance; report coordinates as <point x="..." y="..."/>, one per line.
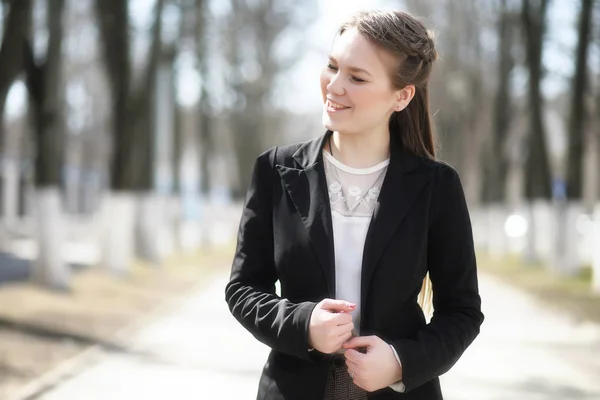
<point x="205" y="114"/>
<point x="16" y="27"/>
<point x="537" y="176"/>
<point x="254" y="28"/>
<point x="578" y="115"/>
<point x="497" y="164"/>
<point x="44" y="84"/>
<point x="132" y="128"/>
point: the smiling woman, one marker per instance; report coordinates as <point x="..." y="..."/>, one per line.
<point x="351" y="224"/>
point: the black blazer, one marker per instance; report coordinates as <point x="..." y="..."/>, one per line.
<point x="421" y="223"/>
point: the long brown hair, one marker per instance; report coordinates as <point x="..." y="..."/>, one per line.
<point x="403" y="36"/>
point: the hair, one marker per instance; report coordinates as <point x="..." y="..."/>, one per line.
<point x="403" y="36"/>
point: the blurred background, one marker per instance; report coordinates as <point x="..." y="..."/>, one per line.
<point x="128" y="131"/>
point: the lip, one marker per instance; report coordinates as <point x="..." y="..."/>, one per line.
<point x="332" y="109"/>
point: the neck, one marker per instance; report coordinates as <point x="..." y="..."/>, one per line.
<point x="360" y="150"/>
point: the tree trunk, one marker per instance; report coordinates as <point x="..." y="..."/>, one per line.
<point x="496" y="183"/>
<point x="15" y="30"/>
<point x="206" y="143"/>
<point x="154" y="210"/>
<point x="132" y="164"/>
<point x="146" y="97"/>
<point x="117" y="225"/>
<point x="44" y="83"/>
<point x="477" y="99"/>
<point x="596" y="132"/>
<point x="578" y="117"/>
<point x="538" y="177"/>
<point x="596" y="252"/>
<point x="154" y="128"/>
<point x="49" y="267"/>
<point x="178" y="187"/>
<point x="246" y="138"/>
<point x="537" y="168"/>
<point x="113" y="19"/>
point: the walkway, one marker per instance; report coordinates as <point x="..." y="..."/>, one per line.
<point x="200" y="352"/>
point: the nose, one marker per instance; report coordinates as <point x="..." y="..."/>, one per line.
<point x="335" y="85"/>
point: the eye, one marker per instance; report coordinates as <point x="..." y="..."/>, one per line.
<point x="355" y="79"/>
<point x="331" y="67"/>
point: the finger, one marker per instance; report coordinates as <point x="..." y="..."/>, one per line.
<point x="342" y="329"/>
<point x="354" y="355"/>
<point x="341" y="318"/>
<point x="342" y="338"/>
<point x="352" y="374"/>
<point x="351" y="365"/>
<point x="338" y="305"/>
<point x="360" y="341"/>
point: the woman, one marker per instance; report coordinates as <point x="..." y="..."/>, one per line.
<point x="351" y="224"/>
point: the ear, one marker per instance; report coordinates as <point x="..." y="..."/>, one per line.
<point x="403" y="97"/>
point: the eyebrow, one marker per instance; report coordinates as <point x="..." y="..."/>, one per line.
<point x="354" y="69"/>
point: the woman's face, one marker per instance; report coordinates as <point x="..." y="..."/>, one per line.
<point x="358" y="96"/>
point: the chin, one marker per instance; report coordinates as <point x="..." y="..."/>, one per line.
<point x="329" y="124"/>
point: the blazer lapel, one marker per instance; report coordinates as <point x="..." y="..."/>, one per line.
<point x="307" y="188"/>
<point x="401" y="187"/>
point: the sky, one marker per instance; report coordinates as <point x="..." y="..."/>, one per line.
<point x="299" y="90"/>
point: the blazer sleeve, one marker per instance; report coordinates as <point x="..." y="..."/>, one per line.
<point x="452" y="268"/>
<point x="250" y="292"/>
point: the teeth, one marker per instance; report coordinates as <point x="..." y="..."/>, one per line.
<point x="335" y="105"/>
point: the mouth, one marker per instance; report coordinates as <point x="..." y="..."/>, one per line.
<point x="334" y="107"/>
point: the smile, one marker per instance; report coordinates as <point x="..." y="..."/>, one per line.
<point x="332" y="106"/>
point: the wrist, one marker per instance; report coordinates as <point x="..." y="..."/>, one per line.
<point x="397" y="365"/>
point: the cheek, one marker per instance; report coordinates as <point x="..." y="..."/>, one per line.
<point x="374" y="99"/>
<point x="324" y="82"/>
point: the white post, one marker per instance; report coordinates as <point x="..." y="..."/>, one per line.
<point x="596" y="252"/>
<point x="117" y="232"/>
<point x="497" y="234"/>
<point x="10" y="190"/>
<point x="50" y="268"/>
<point x="530" y="252"/>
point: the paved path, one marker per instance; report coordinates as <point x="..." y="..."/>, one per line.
<point x="200" y="352"/>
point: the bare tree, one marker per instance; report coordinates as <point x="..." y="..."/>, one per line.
<point x="478" y="100"/>
<point x="537" y="177"/>
<point x="131" y="98"/>
<point x="205" y="112"/>
<point x="578" y="116"/>
<point x="16" y="27"/>
<point x="596" y="195"/>
<point x="497" y="163"/>
<point x="132" y="128"/>
<point x="254" y="28"/>
<point x="537" y="168"/>
<point x="461" y="105"/>
<point x="44" y="83"/>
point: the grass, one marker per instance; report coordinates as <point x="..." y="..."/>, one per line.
<point x="571" y="294"/>
<point x="39" y="328"/>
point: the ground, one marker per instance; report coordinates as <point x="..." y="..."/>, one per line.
<point x="41" y="328"/>
<point x="569" y="294"/>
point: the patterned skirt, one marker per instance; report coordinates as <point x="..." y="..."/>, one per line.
<point x="339" y="385"/>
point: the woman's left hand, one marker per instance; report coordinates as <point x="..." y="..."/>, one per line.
<point x="376" y="369"/>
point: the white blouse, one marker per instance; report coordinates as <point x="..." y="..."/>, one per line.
<point x="353" y="193"/>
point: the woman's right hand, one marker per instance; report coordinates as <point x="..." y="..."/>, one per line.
<point x="330" y="325"/>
